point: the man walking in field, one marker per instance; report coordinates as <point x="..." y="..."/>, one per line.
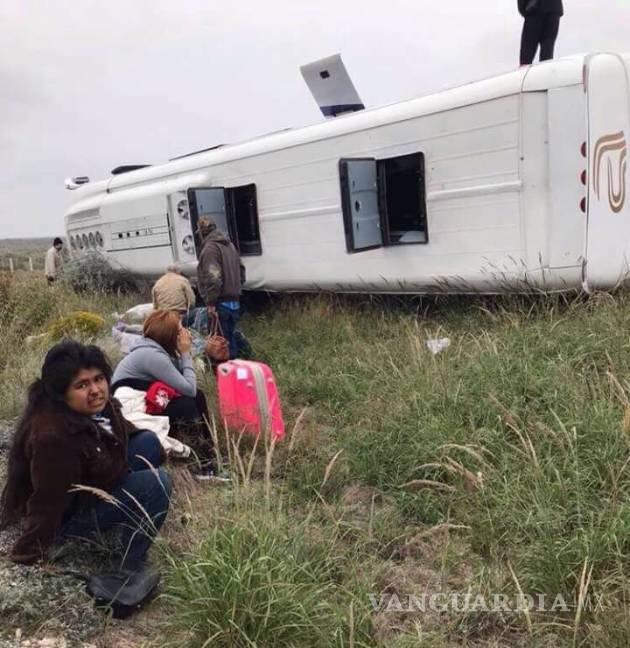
<point x="172" y="291"/>
<point x="220" y="274"/>
<point x="53" y="263"/>
<point x="541" y="25"/>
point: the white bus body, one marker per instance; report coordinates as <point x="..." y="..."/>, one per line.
<point x="514" y="181"/>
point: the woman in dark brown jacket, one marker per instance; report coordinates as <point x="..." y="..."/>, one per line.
<point x="72" y="435"/>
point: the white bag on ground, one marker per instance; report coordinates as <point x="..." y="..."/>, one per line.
<point x="438" y="344"/>
<point x="137" y="314"/>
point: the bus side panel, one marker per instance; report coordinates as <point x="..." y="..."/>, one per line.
<point x="534" y="173"/>
<point x="139" y="230"/>
<point x="567" y="131"/>
<point x="475" y="240"/>
<point x="608" y="238"/>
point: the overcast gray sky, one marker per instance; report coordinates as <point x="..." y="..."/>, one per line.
<point x="86" y="85"/>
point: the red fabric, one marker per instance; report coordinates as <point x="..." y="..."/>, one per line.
<point x="158" y="396"/>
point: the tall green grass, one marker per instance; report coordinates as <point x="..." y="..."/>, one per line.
<point x="500" y="464"/>
<point x="518" y="431"/>
<point x="262" y="580"/>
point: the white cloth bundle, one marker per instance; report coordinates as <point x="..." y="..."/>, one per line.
<point x="134" y="410"/>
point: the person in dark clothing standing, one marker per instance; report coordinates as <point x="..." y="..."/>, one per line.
<point x="220" y="274"/>
<point x="541" y="25"/>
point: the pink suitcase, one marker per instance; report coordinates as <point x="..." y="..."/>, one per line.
<point x="248" y="398"/>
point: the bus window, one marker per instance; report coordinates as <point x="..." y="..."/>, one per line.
<point x="208" y="202"/>
<point x="403" y="206"/>
<point x="244" y="211"/>
<point x="383" y="201"/>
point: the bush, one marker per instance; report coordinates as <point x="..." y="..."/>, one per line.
<point x="25" y="304"/>
<point x="93" y="273"/>
<point x="77" y="323"/>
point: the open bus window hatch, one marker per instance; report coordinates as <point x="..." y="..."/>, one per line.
<point x="383" y="201"/>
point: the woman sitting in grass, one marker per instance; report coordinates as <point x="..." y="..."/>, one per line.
<point x="71" y="439"/>
<point x="162" y="355"/>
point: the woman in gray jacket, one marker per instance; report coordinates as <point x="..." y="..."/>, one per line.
<point x="162" y="354"/>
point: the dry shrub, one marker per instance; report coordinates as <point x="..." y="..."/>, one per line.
<point x="81" y="323"/>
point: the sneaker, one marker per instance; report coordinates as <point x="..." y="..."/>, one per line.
<point x="210" y="475"/>
<point x="178" y="450"/>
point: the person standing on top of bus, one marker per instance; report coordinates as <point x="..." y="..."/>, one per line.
<point x="541" y="25"/>
<point x="54" y="261"/>
<point x="220" y="275"/>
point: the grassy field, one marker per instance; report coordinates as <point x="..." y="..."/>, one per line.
<point x="497" y="468"/>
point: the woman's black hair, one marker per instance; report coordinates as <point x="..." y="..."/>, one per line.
<point x="61" y="364"/>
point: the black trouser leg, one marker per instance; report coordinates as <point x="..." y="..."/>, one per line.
<point x="202" y="405"/>
<point x="530" y="37"/>
<point x="183" y="409"/>
<point x="188" y="418"/>
<point x="548" y="37"/>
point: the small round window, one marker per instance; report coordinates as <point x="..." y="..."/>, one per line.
<point x="188" y="245"/>
<point x="99" y="239"/>
<point x="182" y="209"/>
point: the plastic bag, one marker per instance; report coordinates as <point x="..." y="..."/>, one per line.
<point x="438" y="344"/>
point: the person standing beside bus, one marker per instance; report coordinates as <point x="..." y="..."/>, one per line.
<point x="172" y="291"/>
<point x="54" y="261"/>
<point x="220" y="274"/>
<point x="540" y="27"/>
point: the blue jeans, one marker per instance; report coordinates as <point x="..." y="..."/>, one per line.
<point x="228" y="318"/>
<point x="139" y="489"/>
<point x="190" y="317"/>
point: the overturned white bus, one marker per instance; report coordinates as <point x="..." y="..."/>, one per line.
<point x="510" y="181"/>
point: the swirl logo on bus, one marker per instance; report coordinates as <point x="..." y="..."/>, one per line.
<point x="613" y="149"/>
